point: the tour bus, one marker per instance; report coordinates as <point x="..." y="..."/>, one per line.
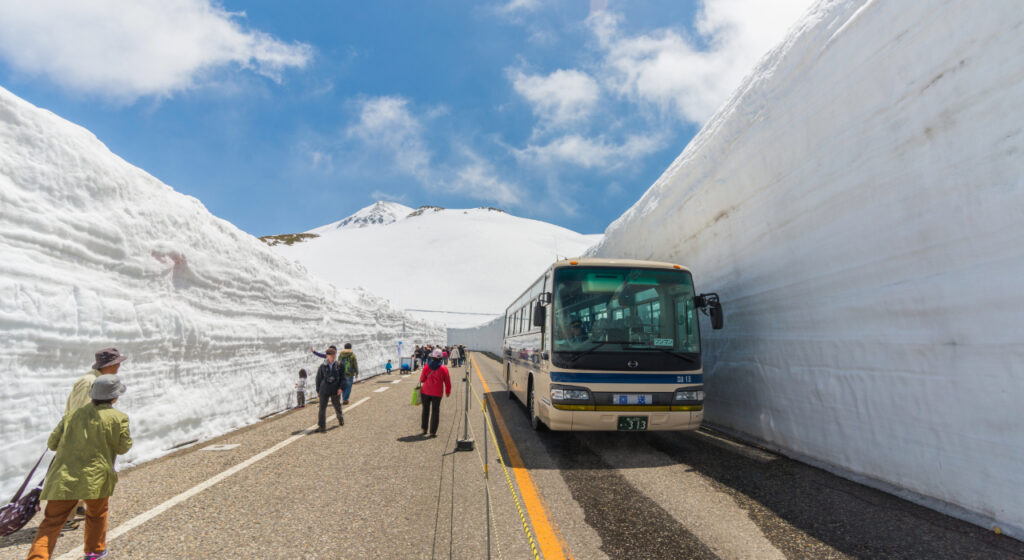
<point x="609" y="344"/>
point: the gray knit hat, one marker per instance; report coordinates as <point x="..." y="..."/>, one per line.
<point x="107" y="387"/>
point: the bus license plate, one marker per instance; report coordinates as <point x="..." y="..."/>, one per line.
<point x="632" y="423"/>
<point x="632" y="398"/>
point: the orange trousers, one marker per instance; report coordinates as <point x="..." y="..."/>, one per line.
<point x="57" y="512"/>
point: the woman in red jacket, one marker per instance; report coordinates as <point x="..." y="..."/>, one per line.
<point x="433" y="379"/>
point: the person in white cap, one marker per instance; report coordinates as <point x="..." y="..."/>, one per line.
<point x="86" y="442"/>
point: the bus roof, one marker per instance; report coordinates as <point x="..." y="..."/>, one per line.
<point x="590" y="261"/>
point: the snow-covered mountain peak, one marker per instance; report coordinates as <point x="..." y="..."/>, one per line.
<point x="376" y="214"/>
<point x="459" y="266"/>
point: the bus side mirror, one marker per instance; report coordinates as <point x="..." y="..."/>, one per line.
<point x="545" y="298"/>
<point x="539" y="315"/>
<point x="717" y="319"/>
<point x="710" y="305"/>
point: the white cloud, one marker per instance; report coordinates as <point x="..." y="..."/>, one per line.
<point x="387" y="124"/>
<point x="666" y="69"/>
<point x="562" y="97"/>
<point x="126" y="49"/>
<point x="381" y="195"/>
<point x="513" y="6"/>
<point x="590" y="153"/>
<point x="321" y="160"/>
<point x="479" y="179"/>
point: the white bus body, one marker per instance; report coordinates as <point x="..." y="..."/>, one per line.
<point x="609" y="344"/>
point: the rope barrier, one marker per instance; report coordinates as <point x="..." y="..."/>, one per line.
<point x="504" y="468"/>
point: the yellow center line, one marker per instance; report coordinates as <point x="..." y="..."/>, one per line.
<point x="551" y="543"/>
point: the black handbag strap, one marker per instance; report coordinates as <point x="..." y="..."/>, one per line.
<point x="28" y="478"/>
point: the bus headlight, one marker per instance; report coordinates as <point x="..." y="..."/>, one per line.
<point x="689" y="396"/>
<point x="569" y="393"/>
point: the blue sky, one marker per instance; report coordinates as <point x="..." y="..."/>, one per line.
<point x="283" y="116"/>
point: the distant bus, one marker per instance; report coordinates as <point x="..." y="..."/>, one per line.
<point x="605" y="345"/>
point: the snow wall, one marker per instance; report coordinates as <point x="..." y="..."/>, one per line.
<point x="95" y="252"/>
<point x="859" y="206"/>
<point x="487" y="337"/>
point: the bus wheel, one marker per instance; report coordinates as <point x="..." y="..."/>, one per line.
<point x="531" y="407"/>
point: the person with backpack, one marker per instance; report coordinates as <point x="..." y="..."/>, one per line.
<point x="86" y="441"/>
<point x="330" y="381"/>
<point x="347" y="358"/>
<point x="434" y="381"/>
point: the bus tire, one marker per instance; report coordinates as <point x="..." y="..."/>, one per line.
<point x="531" y="407"/>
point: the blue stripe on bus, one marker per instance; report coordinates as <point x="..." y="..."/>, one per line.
<point x="566" y="377"/>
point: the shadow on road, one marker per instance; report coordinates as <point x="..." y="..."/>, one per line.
<point x="804" y="511"/>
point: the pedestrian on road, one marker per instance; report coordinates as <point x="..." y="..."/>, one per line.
<point x="108" y="362"/>
<point x="347" y="358"/>
<point x="86" y="441"/>
<point x="330" y="381"/>
<point x="300" y="390"/>
<point x="455" y="357"/>
<point x="387" y="367"/>
<point x="434" y="381"/>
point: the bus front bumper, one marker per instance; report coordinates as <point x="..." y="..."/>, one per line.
<point x="606" y="418"/>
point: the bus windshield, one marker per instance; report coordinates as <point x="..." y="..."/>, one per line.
<point x="601" y="310"/>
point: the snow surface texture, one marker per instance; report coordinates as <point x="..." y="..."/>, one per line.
<point x="488" y="337"/>
<point x="95" y="252"/>
<point x="859" y="206"/>
<point x="457" y="267"/>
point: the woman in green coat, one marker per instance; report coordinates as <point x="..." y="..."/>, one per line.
<point x="86" y="442"/>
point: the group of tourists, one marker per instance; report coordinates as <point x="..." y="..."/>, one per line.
<point x="334" y="380"/>
<point x="88" y="438"/>
<point x="92" y="433"/>
<point x="453" y="355"/>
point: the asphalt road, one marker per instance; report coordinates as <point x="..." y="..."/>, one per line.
<point x="376" y="489"/>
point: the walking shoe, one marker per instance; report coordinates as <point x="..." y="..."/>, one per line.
<point x="346" y="402"/>
<point x="95" y="555"/>
<point x="341" y="422"/>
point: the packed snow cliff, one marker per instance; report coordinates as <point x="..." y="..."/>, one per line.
<point x="859" y="206"/>
<point x="460" y="267"/>
<point x="94" y="252"/>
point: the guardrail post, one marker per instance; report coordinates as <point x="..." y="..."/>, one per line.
<point x="465" y="444"/>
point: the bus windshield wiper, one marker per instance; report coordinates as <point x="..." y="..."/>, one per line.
<point x="684" y="357"/>
<point x="580" y="354"/>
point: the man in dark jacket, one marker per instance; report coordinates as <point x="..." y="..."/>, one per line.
<point x="330" y="381"/>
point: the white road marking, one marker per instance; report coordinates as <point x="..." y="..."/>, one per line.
<point x="221" y="447"/>
<point x="381" y="390"/>
<point x="146" y="516"/>
<point x="396" y="381"/>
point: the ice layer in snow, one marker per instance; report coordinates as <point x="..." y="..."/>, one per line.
<point x="859" y="206"/>
<point x="94" y="252"/>
<point x="460" y="267"/>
